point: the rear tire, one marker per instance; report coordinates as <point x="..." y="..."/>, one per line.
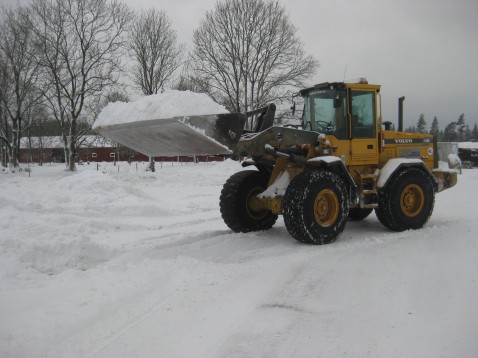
<point x="315" y="207"/>
<point x="356" y="214"/>
<point x="235" y="206"/>
<point x="407" y="202"/>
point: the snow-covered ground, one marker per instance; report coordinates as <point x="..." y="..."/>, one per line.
<point x="119" y="262"/>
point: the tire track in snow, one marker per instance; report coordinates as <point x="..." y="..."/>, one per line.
<point x="169" y="321"/>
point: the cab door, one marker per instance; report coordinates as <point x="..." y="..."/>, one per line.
<point x="363" y="127"/>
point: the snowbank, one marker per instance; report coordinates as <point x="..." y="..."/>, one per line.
<point x="170" y="103"/>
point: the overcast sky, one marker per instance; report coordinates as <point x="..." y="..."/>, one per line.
<point x="425" y="50"/>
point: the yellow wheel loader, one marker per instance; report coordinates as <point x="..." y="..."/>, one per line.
<point x="342" y="164"/>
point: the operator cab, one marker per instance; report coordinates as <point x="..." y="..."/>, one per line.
<point x="346" y="111"/>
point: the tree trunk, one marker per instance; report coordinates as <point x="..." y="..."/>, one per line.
<point x="41" y="151"/>
<point x="71" y="157"/>
<point x="151" y="165"/>
<point x="30" y="153"/>
<point x="72" y="145"/>
<point x="14" y="148"/>
<point x="12" y="157"/>
<point x="67" y="156"/>
<point x="4" y="155"/>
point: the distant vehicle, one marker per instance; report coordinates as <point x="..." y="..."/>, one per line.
<point x="468" y="156"/>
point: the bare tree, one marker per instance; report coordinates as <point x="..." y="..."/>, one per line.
<point x="34" y="136"/>
<point x="80" y="44"/>
<point x="115" y="96"/>
<point x="156" y="54"/>
<point x="246" y="54"/>
<point x="5" y="132"/>
<point x="186" y="80"/>
<point x="19" y="76"/>
<point x="154" y="48"/>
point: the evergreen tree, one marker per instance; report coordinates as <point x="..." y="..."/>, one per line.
<point x="450" y="134"/>
<point x="461" y="127"/>
<point x="435" y="128"/>
<point x="474" y="134"/>
<point x="421" y="124"/>
<point x="467" y="133"/>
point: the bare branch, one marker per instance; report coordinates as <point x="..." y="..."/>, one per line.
<point x="247" y="53"/>
<point x="153" y="46"/>
<point x="80" y="43"/>
<point x="19" y="74"/>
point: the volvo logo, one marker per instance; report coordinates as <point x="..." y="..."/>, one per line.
<point x="403" y="141"/>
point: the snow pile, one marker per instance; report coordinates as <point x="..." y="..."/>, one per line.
<point x="168" y="104"/>
<point x="454" y="162"/>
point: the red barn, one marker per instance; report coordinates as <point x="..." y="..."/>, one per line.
<point x="93" y="148"/>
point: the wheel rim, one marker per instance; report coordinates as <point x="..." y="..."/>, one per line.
<point x="412" y="200"/>
<point x="253" y="207"/>
<point x="326" y="208"/>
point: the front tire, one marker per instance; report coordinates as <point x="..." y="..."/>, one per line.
<point x="316" y="207"/>
<point x="407" y="202"/>
<point x="235" y="202"/>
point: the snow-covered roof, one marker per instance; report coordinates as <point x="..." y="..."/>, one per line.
<point x="88" y="141"/>
<point x="470" y="145"/>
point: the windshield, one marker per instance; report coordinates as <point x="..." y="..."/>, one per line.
<point x="325" y="112"/>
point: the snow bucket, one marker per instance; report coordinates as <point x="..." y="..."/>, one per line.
<point x="212" y="134"/>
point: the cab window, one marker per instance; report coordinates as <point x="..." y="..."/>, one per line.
<point x="326" y="111"/>
<point x="363" y="114"/>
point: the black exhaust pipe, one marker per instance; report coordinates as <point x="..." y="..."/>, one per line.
<point x="400" y="113"/>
